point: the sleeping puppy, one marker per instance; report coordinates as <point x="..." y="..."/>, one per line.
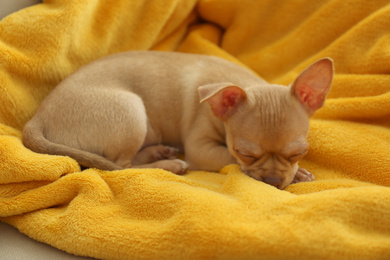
<point x="140" y="109"/>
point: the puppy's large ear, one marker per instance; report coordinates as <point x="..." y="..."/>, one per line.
<point x="223" y="98"/>
<point x="313" y="84"/>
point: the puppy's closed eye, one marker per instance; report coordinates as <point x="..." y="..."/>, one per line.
<point x="246" y="158"/>
<point x="297" y="156"/>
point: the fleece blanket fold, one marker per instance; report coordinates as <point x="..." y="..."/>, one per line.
<point x="154" y="214"/>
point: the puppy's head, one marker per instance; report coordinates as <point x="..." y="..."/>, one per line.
<point x="267" y="125"/>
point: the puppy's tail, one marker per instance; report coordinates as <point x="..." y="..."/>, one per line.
<point x="34" y="139"/>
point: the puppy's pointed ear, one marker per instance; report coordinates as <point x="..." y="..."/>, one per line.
<point x="223" y="98"/>
<point x="313" y="84"/>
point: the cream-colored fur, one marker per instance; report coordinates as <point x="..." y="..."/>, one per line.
<point x="140" y="109"/>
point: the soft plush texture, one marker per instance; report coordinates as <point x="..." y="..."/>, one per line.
<point x="154" y="214"/>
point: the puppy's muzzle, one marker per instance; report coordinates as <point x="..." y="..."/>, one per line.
<point x="270" y="177"/>
<point x="274" y="181"/>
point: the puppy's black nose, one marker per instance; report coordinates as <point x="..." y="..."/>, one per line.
<point x="273" y="180"/>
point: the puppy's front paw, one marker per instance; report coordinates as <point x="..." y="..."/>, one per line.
<point x="303" y="175"/>
<point x="180" y="166"/>
<point x="176" y="166"/>
<point x="155" y="153"/>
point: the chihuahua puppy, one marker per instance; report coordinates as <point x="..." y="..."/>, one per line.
<point x="140" y="109"/>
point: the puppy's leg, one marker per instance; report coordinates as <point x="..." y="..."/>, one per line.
<point x="160" y="156"/>
<point x="206" y="154"/>
<point x="130" y="132"/>
<point x="155" y="153"/>
<point x="211" y="157"/>
<point x="176" y="166"/>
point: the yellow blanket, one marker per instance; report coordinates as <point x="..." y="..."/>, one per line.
<point x="154" y="214"/>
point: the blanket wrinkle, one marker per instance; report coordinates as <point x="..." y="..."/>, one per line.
<point x="154" y="214"/>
